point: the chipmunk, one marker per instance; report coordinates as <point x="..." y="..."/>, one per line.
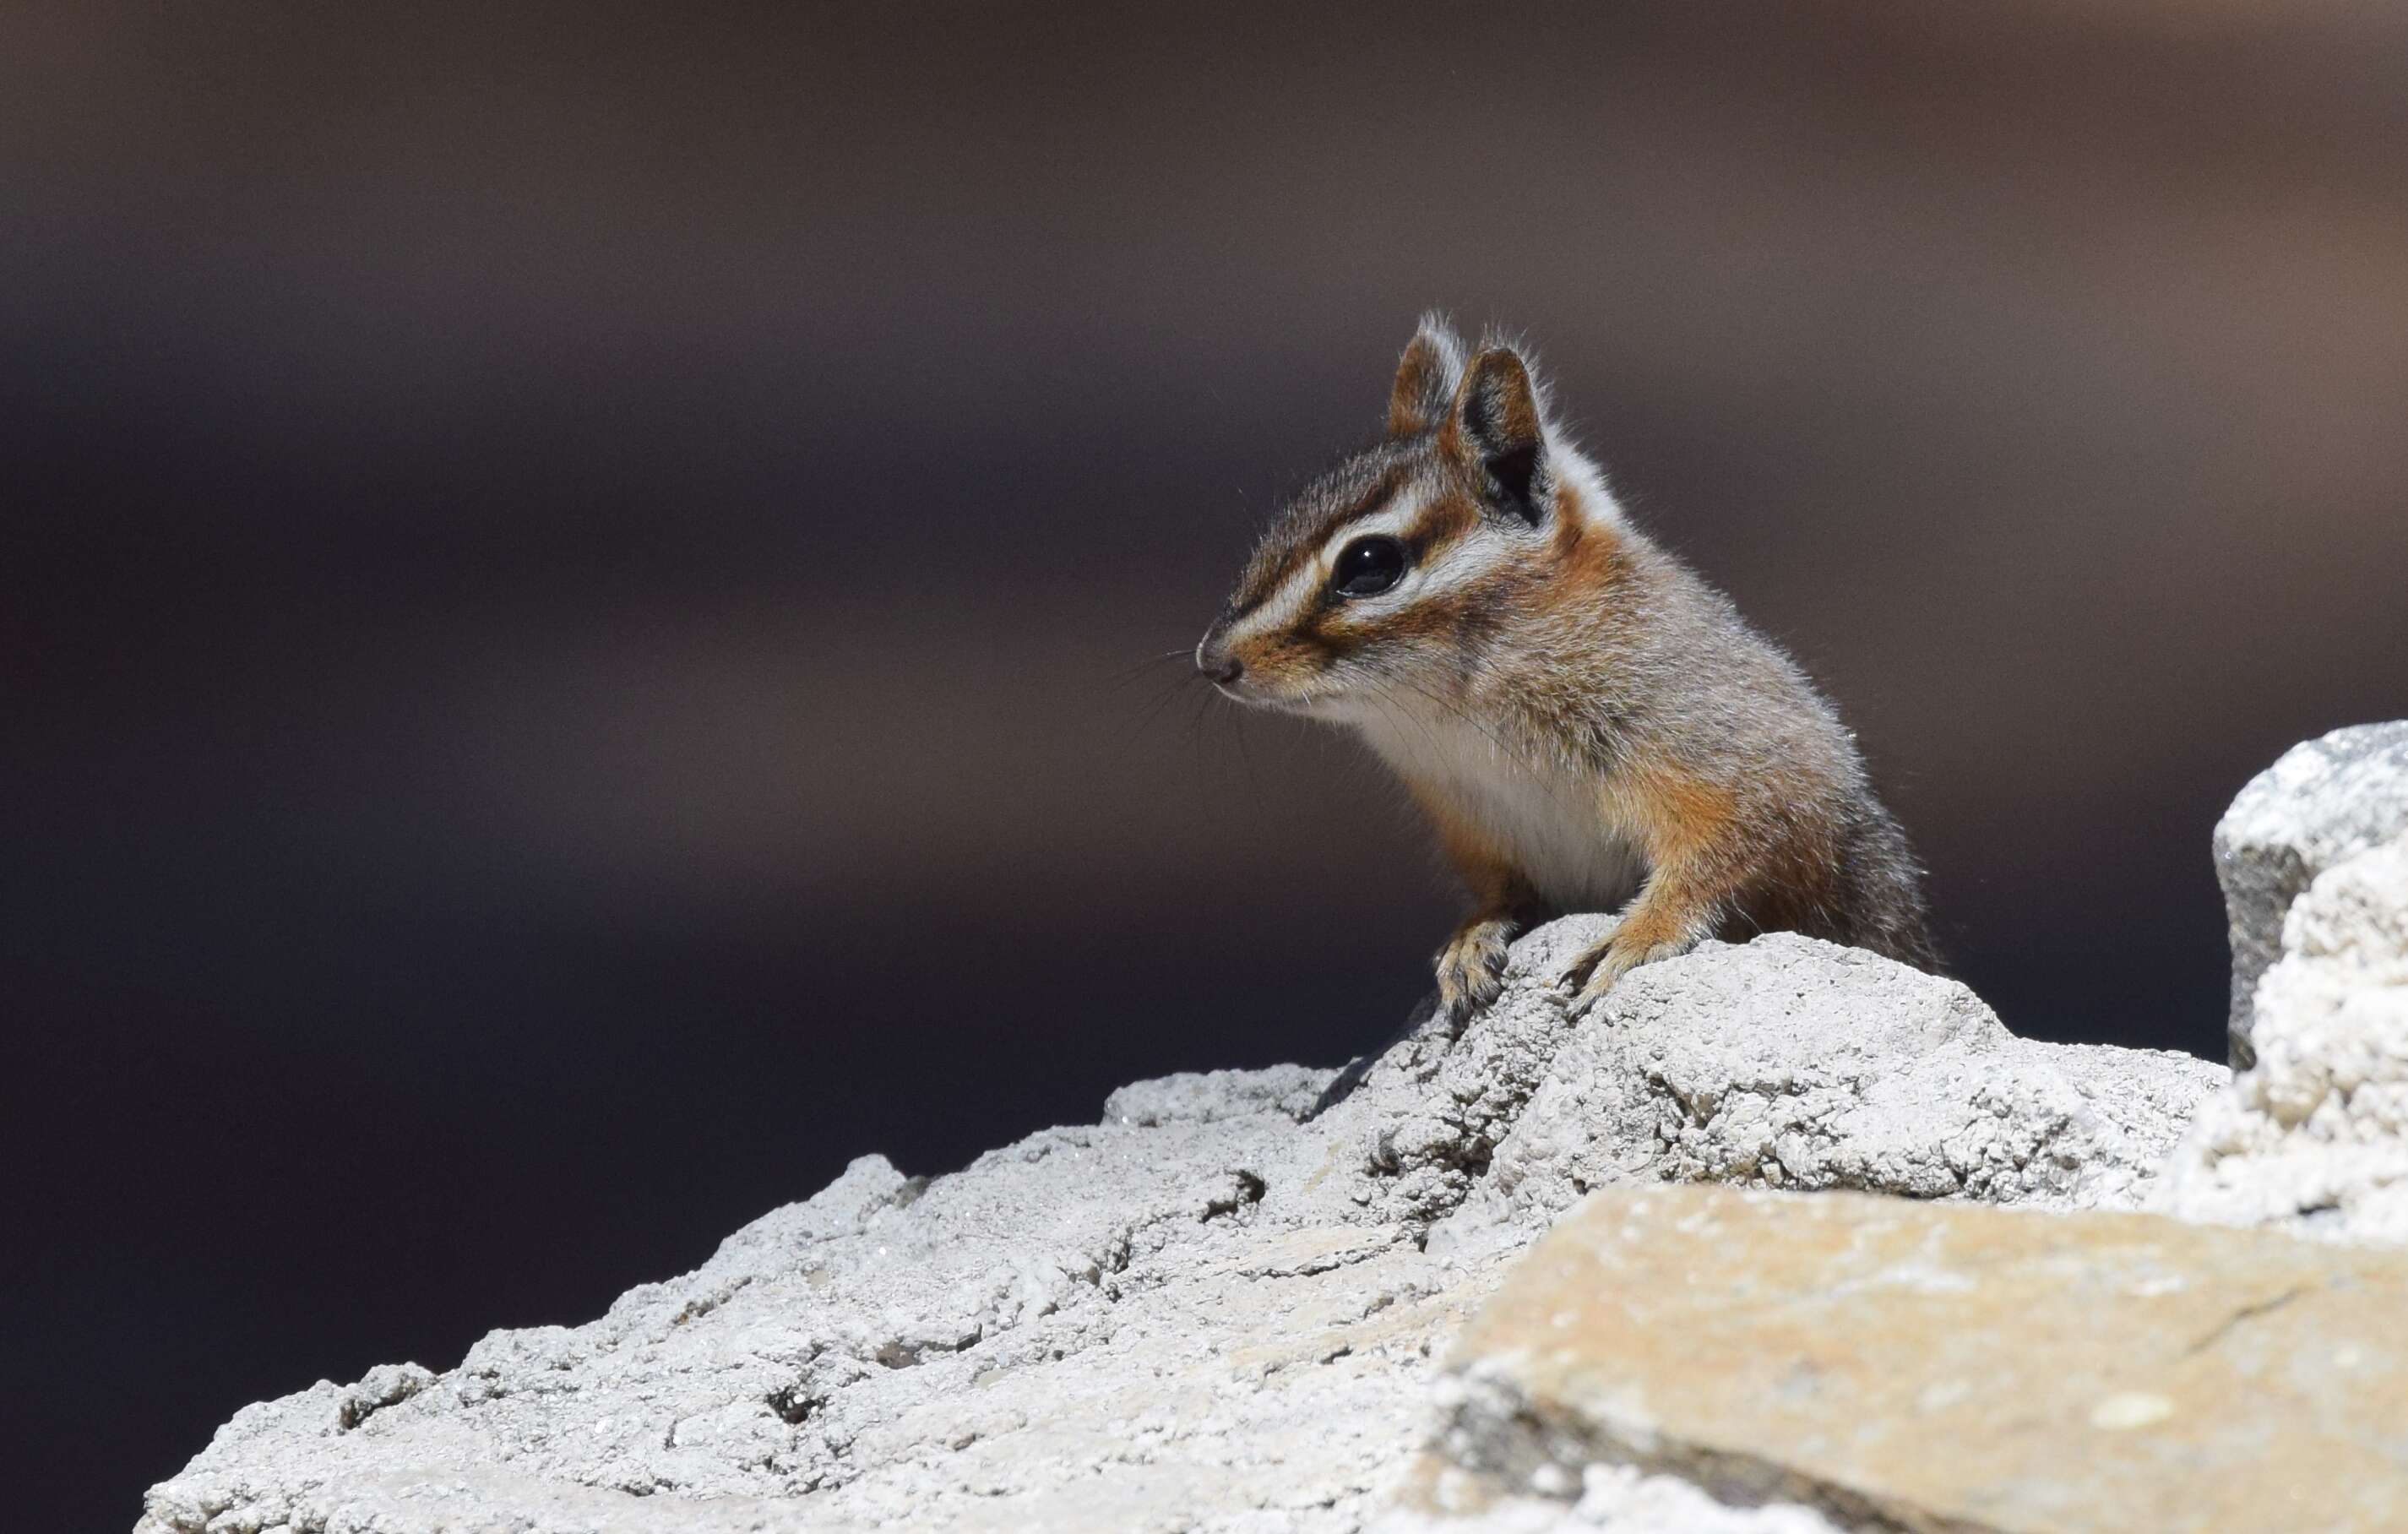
<point x="1582" y="719"/>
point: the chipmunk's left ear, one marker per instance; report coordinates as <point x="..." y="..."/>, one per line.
<point x="1427" y="376"/>
<point x="1497" y="427"/>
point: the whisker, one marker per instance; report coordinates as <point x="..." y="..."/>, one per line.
<point x="1131" y="673"/>
<point x="1162" y="699"/>
<point x="1195" y="732"/>
<point x="1254" y="785"/>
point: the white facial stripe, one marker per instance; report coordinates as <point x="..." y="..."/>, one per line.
<point x="1462" y="562"/>
<point x="1283" y="607"/>
<point x="1403" y="510"/>
<point x="1467" y="559"/>
<point x="1304" y="584"/>
<point x="1441" y="570"/>
<point x="1394" y="520"/>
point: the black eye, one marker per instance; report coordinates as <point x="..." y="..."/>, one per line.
<point x="1368" y="567"/>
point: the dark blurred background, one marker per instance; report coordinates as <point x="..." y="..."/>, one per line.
<point x="569" y="577"/>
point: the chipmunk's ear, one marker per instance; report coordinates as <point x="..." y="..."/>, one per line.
<point x="1426" y="377"/>
<point x="1497" y="426"/>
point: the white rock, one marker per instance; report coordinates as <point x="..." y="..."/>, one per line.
<point x="1217" y="1310"/>
<point x="1821" y="1067"/>
<point x="2315" y="1135"/>
<point x="2325" y="800"/>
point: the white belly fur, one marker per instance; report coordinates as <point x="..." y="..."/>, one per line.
<point x="1548" y="821"/>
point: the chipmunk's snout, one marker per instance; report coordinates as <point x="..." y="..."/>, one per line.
<point x="1215" y="661"/>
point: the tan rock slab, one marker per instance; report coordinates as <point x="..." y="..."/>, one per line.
<point x="1897" y="1365"/>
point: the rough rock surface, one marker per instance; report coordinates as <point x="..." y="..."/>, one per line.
<point x="2315" y="1135"/>
<point x="1833" y="1069"/>
<point x="1217" y="1309"/>
<point x="2324" y="801"/>
<point x="2085" y="1372"/>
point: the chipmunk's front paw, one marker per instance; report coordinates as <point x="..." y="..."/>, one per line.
<point x="1631" y="944"/>
<point x="1471" y="966"/>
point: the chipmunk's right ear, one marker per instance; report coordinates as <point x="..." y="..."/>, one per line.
<point x="1498" y="428"/>
<point x="1426" y="377"/>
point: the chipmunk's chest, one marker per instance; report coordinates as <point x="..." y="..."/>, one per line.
<point x="1546" y="818"/>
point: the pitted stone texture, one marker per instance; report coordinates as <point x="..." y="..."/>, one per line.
<point x="2324" y="801"/>
<point x="1917" y="1365"/>
<point x="2315" y="1135"/>
<point x="1090" y="1331"/>
<point x="1410" y="1132"/>
<point x="1820" y="1066"/>
<point x="1214" y="1311"/>
<point x="1201" y="1097"/>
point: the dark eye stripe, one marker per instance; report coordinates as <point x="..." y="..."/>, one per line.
<point x="1439" y="524"/>
<point x="1305" y="550"/>
<point x="1376" y="500"/>
<point x="1333" y="538"/>
<point x="1237" y="610"/>
<point x="1444" y="520"/>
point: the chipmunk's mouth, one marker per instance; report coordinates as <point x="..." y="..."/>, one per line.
<point x="1239" y="692"/>
<point x="1308" y="706"/>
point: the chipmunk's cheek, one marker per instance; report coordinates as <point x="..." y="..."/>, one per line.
<point x="1276" y="675"/>
<point x="1277" y="670"/>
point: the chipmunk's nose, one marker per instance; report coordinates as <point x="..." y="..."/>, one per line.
<point x="1214" y="660"/>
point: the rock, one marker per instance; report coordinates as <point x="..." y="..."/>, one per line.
<point x="1822" y="1066"/>
<point x="1882" y="1363"/>
<point x="1077" y="1333"/>
<point x="1443" y="1498"/>
<point x="2325" y="800"/>
<point x="2315" y="1135"/>
<point x="1215" y="1310"/>
<point x="1200" y="1098"/>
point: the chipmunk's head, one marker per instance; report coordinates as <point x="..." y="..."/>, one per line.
<point x="1397" y="572"/>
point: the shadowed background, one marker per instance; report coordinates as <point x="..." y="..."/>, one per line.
<point x="571" y="581"/>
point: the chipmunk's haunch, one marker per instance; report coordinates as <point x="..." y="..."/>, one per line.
<point x="1584" y="721"/>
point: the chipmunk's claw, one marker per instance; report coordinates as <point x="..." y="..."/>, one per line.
<point x="1597" y="971"/>
<point x="1472" y="967"/>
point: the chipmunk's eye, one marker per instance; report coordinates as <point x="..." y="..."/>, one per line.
<point x="1368" y="567"/>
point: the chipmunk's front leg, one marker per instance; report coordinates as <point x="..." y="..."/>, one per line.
<point x="1689" y="881"/>
<point x="1471" y="966"/>
<point x="1671" y="916"/>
